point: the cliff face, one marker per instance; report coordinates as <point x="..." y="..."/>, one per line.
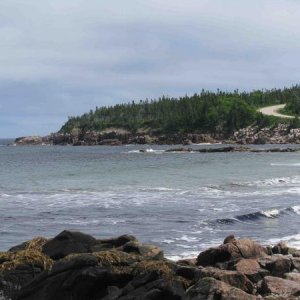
<point x="76" y="266"/>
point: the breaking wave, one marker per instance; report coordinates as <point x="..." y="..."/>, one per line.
<point x="258" y="215"/>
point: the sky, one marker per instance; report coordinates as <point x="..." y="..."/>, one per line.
<point x="61" y="58"/>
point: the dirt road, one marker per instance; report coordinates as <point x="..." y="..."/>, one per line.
<point x="273" y="111"/>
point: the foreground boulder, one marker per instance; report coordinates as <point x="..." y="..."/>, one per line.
<point x="279" y="286"/>
<point x="77" y="266"/>
<point x="234" y="249"/>
<point x="69" y="242"/>
<point x="210" y="288"/>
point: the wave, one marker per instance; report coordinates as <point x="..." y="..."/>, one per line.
<point x="271" y="181"/>
<point x="150" y="150"/>
<point x="263" y="214"/>
<point x="291" y="240"/>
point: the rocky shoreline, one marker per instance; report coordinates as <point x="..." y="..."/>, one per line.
<point x="282" y="134"/>
<point x="76" y="266"/>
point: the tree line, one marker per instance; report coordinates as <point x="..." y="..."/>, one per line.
<point x="205" y="112"/>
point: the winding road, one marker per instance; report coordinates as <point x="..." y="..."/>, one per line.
<point x="273" y="111"/>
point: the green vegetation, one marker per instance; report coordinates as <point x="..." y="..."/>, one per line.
<point x="293" y="105"/>
<point x="207" y="112"/>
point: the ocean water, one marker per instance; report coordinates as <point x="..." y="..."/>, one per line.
<point x="182" y="202"/>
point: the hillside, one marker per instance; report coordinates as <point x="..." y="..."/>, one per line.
<point x="207" y="112"/>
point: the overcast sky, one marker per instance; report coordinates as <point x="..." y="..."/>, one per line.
<point x="60" y="58"/>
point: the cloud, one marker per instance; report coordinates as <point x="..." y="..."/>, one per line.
<point x="64" y="57"/>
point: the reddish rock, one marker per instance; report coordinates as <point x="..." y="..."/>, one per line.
<point x="210" y="288"/>
<point x="279" y="286"/>
<point x="234" y="278"/>
<point x="292" y="276"/>
<point x="243" y="248"/>
<point x="251" y="268"/>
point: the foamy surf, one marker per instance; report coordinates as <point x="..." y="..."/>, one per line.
<point x="150" y="150"/>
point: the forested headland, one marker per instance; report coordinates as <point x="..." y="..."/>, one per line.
<point x="205" y="112"/>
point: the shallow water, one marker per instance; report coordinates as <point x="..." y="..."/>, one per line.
<point x="183" y="202"/>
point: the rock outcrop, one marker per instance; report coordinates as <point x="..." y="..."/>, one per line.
<point x="114" y="137"/>
<point x="282" y="134"/>
<point x="77" y="266"/>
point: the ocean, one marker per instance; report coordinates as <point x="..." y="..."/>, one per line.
<point x="182" y="202"/>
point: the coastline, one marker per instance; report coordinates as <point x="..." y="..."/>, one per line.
<point x="124" y="268"/>
<point x="281" y="134"/>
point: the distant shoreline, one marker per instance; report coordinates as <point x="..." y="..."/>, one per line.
<point x="281" y="134"/>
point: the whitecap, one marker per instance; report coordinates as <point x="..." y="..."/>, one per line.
<point x="134" y="151"/>
<point x="183" y="255"/>
<point x="187" y="239"/>
<point x="272" y="213"/>
<point x="291" y="240"/>
<point x="167" y="241"/>
<point x="296" y="209"/>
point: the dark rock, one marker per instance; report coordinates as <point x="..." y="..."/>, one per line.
<point x="279" y="266"/>
<point x="281" y="248"/>
<point x="179" y="150"/>
<point x="187" y="262"/>
<point x="190" y="273"/>
<point x="243" y="248"/>
<point x="210" y="288"/>
<point x="229" y="239"/>
<point x="233" y="278"/>
<point x="68" y="242"/>
<point x="158" y="289"/>
<point x="148" y="251"/>
<point x="106" y="244"/>
<point x="77" y="277"/>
